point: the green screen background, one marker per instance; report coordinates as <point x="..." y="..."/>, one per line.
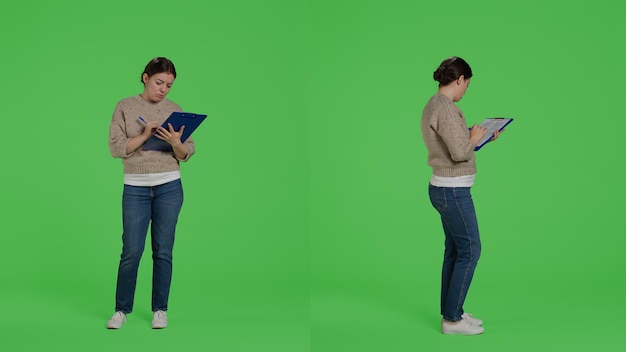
<point x="551" y="276"/>
<point x="306" y="223"/>
<point x="241" y="254"/>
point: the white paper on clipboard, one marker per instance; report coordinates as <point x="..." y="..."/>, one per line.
<point x="492" y="124"/>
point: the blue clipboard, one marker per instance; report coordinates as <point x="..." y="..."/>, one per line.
<point x="190" y="120"/>
<point x="491" y="124"/>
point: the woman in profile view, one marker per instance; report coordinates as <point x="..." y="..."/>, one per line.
<point x="451" y="156"/>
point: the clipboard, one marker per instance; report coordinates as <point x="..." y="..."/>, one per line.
<point x="491" y="124"/>
<point x="190" y="120"/>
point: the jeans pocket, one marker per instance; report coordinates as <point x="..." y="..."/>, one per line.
<point x="438" y="198"/>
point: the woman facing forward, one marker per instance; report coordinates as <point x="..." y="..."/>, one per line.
<point x="153" y="193"/>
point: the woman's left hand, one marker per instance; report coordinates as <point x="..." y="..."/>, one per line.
<point x="169" y="135"/>
<point x="496" y="134"/>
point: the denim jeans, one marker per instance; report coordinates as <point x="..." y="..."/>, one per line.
<point x="462" y="246"/>
<point x="140" y="205"/>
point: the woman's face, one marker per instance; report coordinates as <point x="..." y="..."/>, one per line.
<point x="157" y="86"/>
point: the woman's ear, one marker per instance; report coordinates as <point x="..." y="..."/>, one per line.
<point x="460" y="80"/>
<point x="144" y="78"/>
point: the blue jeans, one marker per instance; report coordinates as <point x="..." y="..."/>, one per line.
<point x="462" y="242"/>
<point x="140" y="205"/>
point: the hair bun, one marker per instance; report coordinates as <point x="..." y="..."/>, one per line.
<point x="451" y="69"/>
<point x="440" y="74"/>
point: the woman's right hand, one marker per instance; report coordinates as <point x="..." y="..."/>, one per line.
<point x="149" y="129"/>
<point x="135" y="142"/>
<point x="476" y="134"/>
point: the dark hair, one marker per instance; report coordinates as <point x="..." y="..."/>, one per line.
<point x="451" y="69"/>
<point x="158" y="65"/>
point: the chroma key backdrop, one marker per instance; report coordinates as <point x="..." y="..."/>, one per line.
<point x="306" y="224"/>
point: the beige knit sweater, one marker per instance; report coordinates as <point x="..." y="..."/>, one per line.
<point x="445" y="133"/>
<point x="125" y="124"/>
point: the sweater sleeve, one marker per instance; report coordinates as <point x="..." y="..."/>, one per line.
<point x="191" y="149"/>
<point x="118" y="137"/>
<point x="454" y="133"/>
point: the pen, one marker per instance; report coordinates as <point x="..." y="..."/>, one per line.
<point x="145" y="123"/>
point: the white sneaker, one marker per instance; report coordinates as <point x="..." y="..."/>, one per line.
<point x="159" y="320"/>
<point x="471" y="319"/>
<point x="463" y="327"/>
<point x="116" y="321"/>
